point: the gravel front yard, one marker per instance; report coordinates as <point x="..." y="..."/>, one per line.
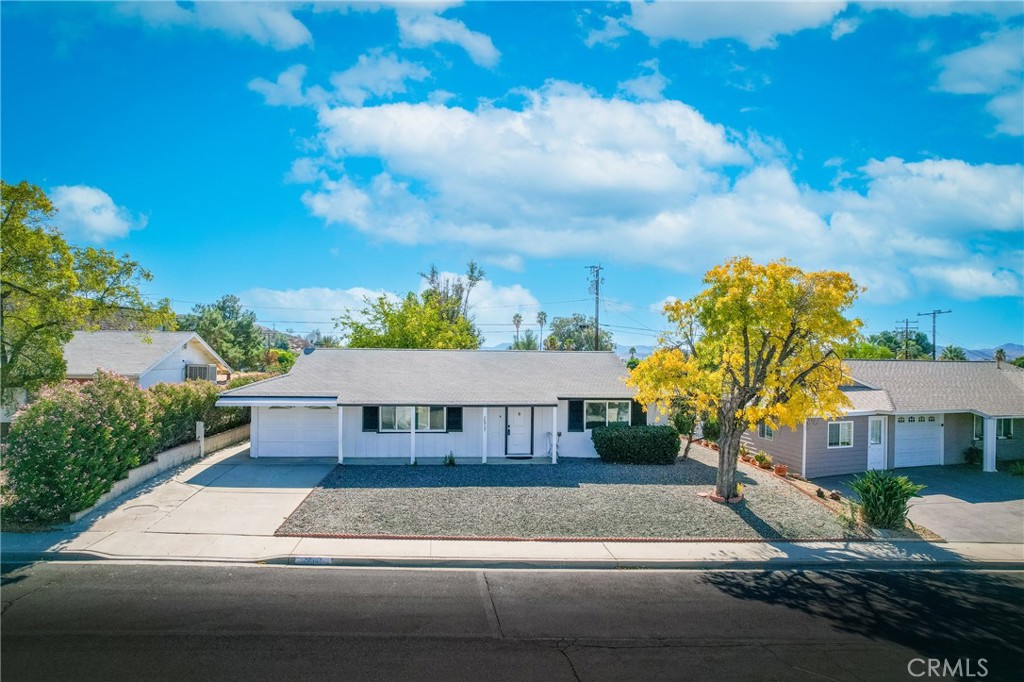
<point x="573" y="499"/>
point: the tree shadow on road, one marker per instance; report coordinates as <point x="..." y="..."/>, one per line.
<point x="943" y="615"/>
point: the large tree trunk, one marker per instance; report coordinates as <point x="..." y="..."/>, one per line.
<point x="728" y="452"/>
<point x="689" y="442"/>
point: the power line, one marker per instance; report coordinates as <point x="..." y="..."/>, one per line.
<point x="934" y="314"/>
<point x="906" y="335"/>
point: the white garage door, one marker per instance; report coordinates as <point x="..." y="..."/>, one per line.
<point x="918" y="440"/>
<point x="297" y="432"/>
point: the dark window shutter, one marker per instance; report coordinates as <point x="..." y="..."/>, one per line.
<point x="453" y="419"/>
<point x="637" y="416"/>
<point x="371" y="418"/>
<point x="575" y="415"/>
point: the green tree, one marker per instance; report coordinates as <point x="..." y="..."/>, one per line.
<point x="414" y="322"/>
<point x="756" y="346"/>
<point x="451" y="294"/>
<point x="327" y="341"/>
<point x="1019" y="362"/>
<point x="915" y="347"/>
<point x="865" y="350"/>
<point x="230" y="330"/>
<point x="49" y="289"/>
<point x="517" y="322"/>
<point x="953" y="353"/>
<point x="576" y="332"/>
<point x="276" y="360"/>
<point x="542" y="320"/>
<point x="528" y="341"/>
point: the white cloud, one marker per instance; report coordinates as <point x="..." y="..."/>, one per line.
<point x="509" y="261"/>
<point x="91" y="214"/>
<point x="646" y="86"/>
<point x="758" y="24"/>
<point x="920" y="9"/>
<point x="844" y="27"/>
<point x="376" y="75"/>
<point x="272" y="24"/>
<point x="608" y="34"/>
<point x="285" y="91"/>
<point x="994" y="67"/>
<point x="417" y="28"/>
<point x="971" y="281"/>
<point x="572" y="174"/>
<point x="659" y="306"/>
<point x="316" y="307"/>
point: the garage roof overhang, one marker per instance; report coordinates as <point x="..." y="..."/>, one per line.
<point x="239" y="401"/>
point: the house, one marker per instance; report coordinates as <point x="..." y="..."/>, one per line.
<point x="147" y="357"/>
<point x="907" y="414"/>
<point x="408" y="404"/>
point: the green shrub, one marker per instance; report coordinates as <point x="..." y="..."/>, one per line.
<point x="68" y="447"/>
<point x="1016" y="468"/>
<point x="636" y="444"/>
<point x="763" y="459"/>
<point x="972" y="456"/>
<point x="180" y="407"/>
<point x="884" y="496"/>
<point x="240" y="380"/>
<point x="710" y="429"/>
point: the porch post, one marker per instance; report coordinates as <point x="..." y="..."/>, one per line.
<point x="988" y="459"/>
<point x="554" y="434"/>
<point x="485" y="436"/>
<point x="412" y="437"/>
<point x="254" y="432"/>
<point x="341" y="434"/>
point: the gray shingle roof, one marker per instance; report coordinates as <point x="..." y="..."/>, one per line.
<point x="126" y="353"/>
<point x="927" y="386"/>
<point x="868" y="399"/>
<point x="359" y="376"/>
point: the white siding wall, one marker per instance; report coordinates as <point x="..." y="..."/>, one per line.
<point x="172" y="369"/>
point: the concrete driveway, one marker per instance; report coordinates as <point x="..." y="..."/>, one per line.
<point x="226" y="495"/>
<point x="960" y="503"/>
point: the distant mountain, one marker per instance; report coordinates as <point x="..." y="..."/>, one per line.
<point x="1012" y="350"/>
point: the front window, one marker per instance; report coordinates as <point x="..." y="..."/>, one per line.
<point x="429" y="418"/>
<point x="765" y="431"/>
<point x="393" y="418"/>
<point x="840" y="434"/>
<point x="1004" y="428"/>
<point x="606" y="412"/>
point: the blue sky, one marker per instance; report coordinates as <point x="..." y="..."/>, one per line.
<point x="305" y="155"/>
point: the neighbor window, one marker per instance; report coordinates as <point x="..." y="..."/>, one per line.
<point x="840" y="434"/>
<point x="394" y="418"/>
<point x="604" y="413"/>
<point x="1004" y="428"/>
<point x="765" y="431"/>
<point x="429" y="418"/>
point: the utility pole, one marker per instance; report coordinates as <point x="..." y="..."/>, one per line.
<point x="595" y="289"/>
<point x="906" y="335"/>
<point x="934" y="314"/>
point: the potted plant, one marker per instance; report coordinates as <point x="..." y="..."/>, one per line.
<point x="781" y="470"/>
<point x="745" y="454"/>
<point x="763" y="460"/>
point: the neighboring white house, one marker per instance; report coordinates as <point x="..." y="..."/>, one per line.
<point x="409" y="404"/>
<point x="147" y="357"/>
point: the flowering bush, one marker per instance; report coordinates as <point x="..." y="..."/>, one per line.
<point x="66" y="448"/>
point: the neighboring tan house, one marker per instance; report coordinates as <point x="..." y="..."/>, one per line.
<point x="409" y="404"/>
<point x="908" y="413"/>
<point x="147" y="357"/>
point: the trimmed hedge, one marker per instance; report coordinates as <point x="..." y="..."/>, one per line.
<point x="624" y="444"/>
<point x="69" y="446"/>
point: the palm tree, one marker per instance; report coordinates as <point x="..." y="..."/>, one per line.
<point x="632" y="352"/>
<point x="953" y="353"/>
<point x="517" y="320"/>
<point x="1000" y="356"/>
<point x="542" y="319"/>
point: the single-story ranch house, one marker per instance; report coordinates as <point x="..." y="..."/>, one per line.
<point x="409" y="404"/>
<point x="907" y="414"/>
<point x="147" y="357"/>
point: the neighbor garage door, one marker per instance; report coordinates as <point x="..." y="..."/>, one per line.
<point x="918" y="440"/>
<point x="297" y="432"/>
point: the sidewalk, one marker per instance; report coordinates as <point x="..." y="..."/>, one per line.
<point x="220" y="511"/>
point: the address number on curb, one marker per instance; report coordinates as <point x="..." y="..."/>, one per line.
<point x="313" y="561"/>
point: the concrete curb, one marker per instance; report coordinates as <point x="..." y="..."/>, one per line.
<point x="531" y="564"/>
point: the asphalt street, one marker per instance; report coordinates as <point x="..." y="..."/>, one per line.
<point x="109" y="622"/>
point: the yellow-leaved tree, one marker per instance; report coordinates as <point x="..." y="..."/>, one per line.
<point x="762" y="343"/>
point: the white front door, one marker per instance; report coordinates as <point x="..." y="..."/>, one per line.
<point x="517" y="433"/>
<point x="876" y="442"/>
